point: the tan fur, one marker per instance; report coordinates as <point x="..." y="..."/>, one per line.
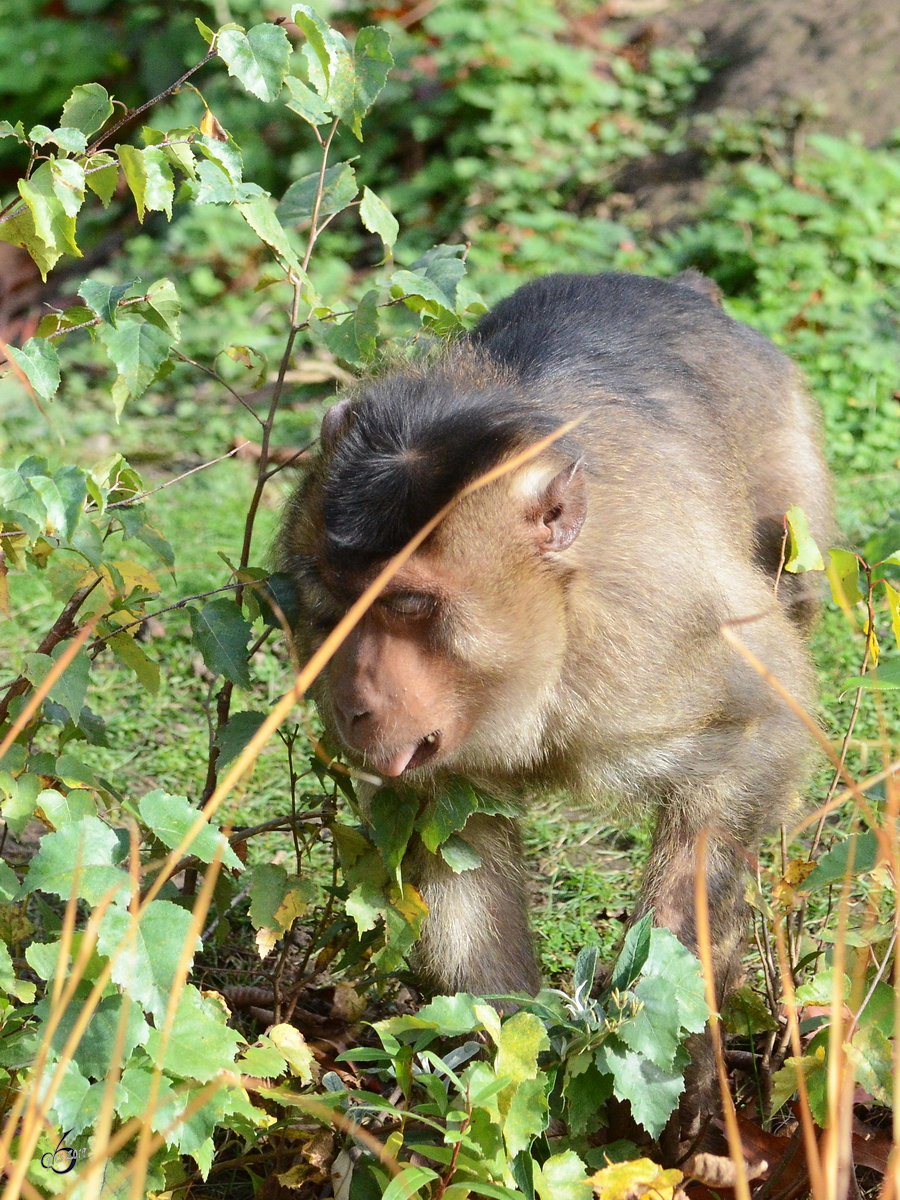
<point x="597" y="669"/>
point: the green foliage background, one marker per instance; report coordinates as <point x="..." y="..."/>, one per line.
<point x="500" y="142"/>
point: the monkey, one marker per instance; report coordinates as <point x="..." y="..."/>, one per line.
<point x="560" y="629"/>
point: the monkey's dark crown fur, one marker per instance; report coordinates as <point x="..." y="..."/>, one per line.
<point x="412" y="443"/>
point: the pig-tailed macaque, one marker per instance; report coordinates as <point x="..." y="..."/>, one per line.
<point x="560" y="629"/>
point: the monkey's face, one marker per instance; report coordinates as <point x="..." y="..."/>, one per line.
<point x="455" y="665"/>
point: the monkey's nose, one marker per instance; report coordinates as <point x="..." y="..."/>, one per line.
<point x="350" y="714"/>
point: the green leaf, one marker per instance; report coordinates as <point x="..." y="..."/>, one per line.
<point x="40" y="363"/>
<point x="459" y="855"/>
<point x="127" y="651"/>
<point x="325" y="48"/>
<point x="74" y="773"/>
<point x="585" y="1094"/>
<point x="264" y="222"/>
<point x="354" y="340"/>
<point x="392" y="817"/>
<point x="527" y="1114"/>
<point x="372" y="61"/>
<point x="222" y="636"/>
<point x="745" y="1014"/>
<point x="270" y="887"/>
<point x="306" y="103"/>
<point x="201" y="1044"/>
<point x="378" y="218"/>
<point x="71" y="687"/>
<point x="348" y="81"/>
<point x="409" y="1183"/>
<point x="886" y="678"/>
<point x="134" y="1093"/>
<point x="833" y="867"/>
<point x="16" y="131"/>
<point x="101" y="175"/>
<point x="237" y="733"/>
<point x="20" y="230"/>
<point x="75" y="1105"/>
<point x="9" y="883"/>
<point x="365" y="904"/>
<point x="54" y="194"/>
<point x="62" y="810"/>
<point x="149" y="175"/>
<point x="447" y="813"/>
<point x="170" y="818"/>
<point x="451" y="1015"/>
<point x="409" y="283"/>
<point x="263" y="1061"/>
<point x="178" y="150"/>
<point x="94" y="1052"/>
<point x="672" y="998"/>
<point x="20" y="800"/>
<point x="88" y="108"/>
<point x="339" y="188"/>
<point x="633" y="954"/>
<point x="584" y="972"/>
<point x="258" y="59"/>
<point x="164" y="301"/>
<point x="804" y="554"/>
<point x="651" y="1091"/>
<point x="874" y="1056"/>
<point x="22" y="989"/>
<point x="149" y="956"/>
<point x="444" y="267"/>
<point x="81" y="857"/>
<point x="138" y="350"/>
<point x="72" y="141"/>
<point x="103" y="298"/>
<point x="562" y="1177"/>
<point x="784" y="1083"/>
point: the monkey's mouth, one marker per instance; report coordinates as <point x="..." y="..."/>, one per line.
<point x="410" y="756"/>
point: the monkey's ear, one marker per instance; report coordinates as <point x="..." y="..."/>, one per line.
<point x="559" y="511"/>
<point x="334" y="422"/>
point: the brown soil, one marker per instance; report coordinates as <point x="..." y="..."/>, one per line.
<point x="843" y="55"/>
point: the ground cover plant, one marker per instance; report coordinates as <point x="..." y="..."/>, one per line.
<point x="130" y="1037"/>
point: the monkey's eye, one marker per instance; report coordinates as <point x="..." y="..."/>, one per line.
<point x="410" y="604"/>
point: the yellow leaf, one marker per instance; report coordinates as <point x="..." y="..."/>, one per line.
<point x="634" y="1180"/>
<point x="843" y="578"/>
<point x="291" y="1043"/>
<point x="893" y="599"/>
<point x="136" y="576"/>
<point x="785" y="890"/>
<point x="409" y="904"/>
<point x="265" y="940"/>
<point x="291" y="907"/>
<point x="4" y="588"/>
<point x="211" y="128"/>
<point x="804" y="554"/>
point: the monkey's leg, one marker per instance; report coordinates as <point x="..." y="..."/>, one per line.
<point x="476" y="936"/>
<point x="669" y="885"/>
<point x="734" y="810"/>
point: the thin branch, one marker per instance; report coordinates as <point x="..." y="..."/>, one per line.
<point x="136" y="112"/>
<point x="98" y="642"/>
<point x="193" y="471"/>
<point x="62" y="627"/>
<point x="214" y="374"/>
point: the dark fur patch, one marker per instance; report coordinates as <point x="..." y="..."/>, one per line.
<point x="412" y="442"/>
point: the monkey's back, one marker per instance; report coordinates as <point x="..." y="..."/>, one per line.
<point x="656" y="362"/>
